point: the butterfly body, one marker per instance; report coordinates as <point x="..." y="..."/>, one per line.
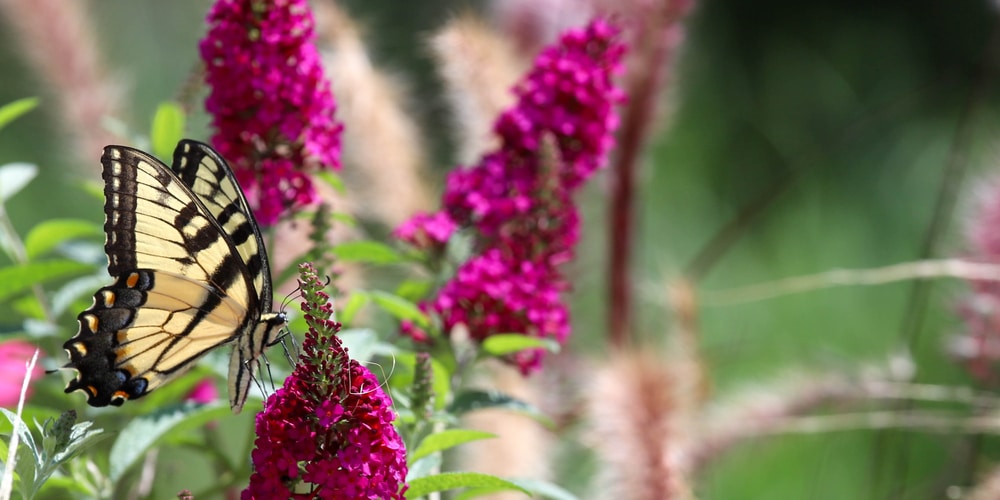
<point x="191" y="274"/>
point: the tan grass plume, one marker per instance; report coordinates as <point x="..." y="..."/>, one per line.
<point x="57" y="38"/>
<point x="478" y="68"/>
<point x="382" y="146"/>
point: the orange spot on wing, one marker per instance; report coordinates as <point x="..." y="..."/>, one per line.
<point x="80" y="348"/>
<point x="109" y="298"/>
<point x="92" y="322"/>
<point x="132" y="280"/>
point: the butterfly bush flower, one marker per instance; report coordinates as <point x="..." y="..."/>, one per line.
<point x="327" y="433"/>
<point x="271" y="104"/>
<point x="519" y="204"/>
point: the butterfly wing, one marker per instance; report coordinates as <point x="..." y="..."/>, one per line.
<point x="203" y="171"/>
<point x="181" y="287"/>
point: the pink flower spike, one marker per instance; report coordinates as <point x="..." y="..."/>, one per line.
<point x="272" y="107"/>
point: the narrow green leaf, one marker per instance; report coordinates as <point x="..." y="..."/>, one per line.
<point x="167" y="129"/>
<point x="355" y="301"/>
<point x="399" y="307"/>
<point x="47" y="235"/>
<point x="472" y="400"/>
<point x="544" y="489"/>
<point x="13" y="178"/>
<point x="453" y="480"/>
<point x="142" y="433"/>
<point x="371" y="252"/>
<point x="14" y="109"/>
<point x="332" y="179"/>
<point x="509" y="343"/>
<point x="446" y="439"/>
<point x="414" y="290"/>
<point x="16" y="279"/>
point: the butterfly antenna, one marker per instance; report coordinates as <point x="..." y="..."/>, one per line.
<point x="385" y="378"/>
<point x="290" y="296"/>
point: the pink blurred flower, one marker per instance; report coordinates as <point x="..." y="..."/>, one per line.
<point x="204" y="392"/>
<point x="271" y="104"/>
<point x="14" y="356"/>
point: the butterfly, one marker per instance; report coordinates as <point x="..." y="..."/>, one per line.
<point x="190" y="274"/>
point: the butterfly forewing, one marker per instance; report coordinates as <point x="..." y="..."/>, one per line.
<point x="202" y="170"/>
<point x="190" y="275"/>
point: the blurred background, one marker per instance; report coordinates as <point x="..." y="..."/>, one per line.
<point x="796" y="138"/>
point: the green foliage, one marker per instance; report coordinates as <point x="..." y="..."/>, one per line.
<point x="368" y="252"/>
<point x="49" y="234"/>
<point x="15" y="109"/>
<point x="143" y="432"/>
<point x="167" y="129"/>
<point x="444" y="440"/>
<point x="455" y="480"/>
<point x="40" y="455"/>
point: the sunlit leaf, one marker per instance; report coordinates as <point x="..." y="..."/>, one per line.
<point x="509" y="343"/>
<point x="13" y="177"/>
<point x="48" y="234"/>
<point x="167" y="129"/>
<point x="331" y="179"/>
<point x="446" y="439"/>
<point x="15" y="109"/>
<point x="453" y="480"/>
<point x="399" y="307"/>
<point x="370" y="252"/>
<point x="143" y="432"/>
<point x="355" y="301"/>
<point x="18" y="278"/>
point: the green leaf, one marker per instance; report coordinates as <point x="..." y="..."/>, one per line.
<point x="13" y="178"/>
<point x="453" y="480"/>
<point x="370" y="252"/>
<point x="142" y="433"/>
<point x="447" y="439"/>
<point x="472" y="400"/>
<point x="355" y="302"/>
<point x="167" y="129"/>
<point x="332" y="179"/>
<point x="400" y="308"/>
<point x="544" y="489"/>
<point x="509" y="343"/>
<point x="414" y="290"/>
<point x="14" y="109"/>
<point x="18" y="278"/>
<point x="47" y="235"/>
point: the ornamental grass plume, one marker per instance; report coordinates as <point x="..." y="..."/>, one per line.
<point x="327" y="433"/>
<point x="979" y="345"/>
<point x="271" y="104"/>
<point x="517" y="201"/>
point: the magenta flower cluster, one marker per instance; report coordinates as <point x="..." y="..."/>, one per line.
<point x="327" y="433"/>
<point x="272" y="107"/>
<point x="518" y="198"/>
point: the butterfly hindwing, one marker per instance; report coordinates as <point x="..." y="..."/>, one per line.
<point x="190" y="275"/>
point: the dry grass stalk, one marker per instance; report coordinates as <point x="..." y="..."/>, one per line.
<point x="478" y="68"/>
<point x="637" y="428"/>
<point x="381" y="143"/>
<point x="58" y="40"/>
